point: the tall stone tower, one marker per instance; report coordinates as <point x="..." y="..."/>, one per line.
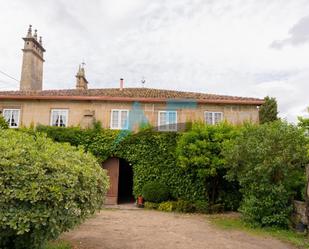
<point x="32" y="67"/>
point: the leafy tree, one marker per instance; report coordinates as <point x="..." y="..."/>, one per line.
<point x="199" y="150"/>
<point x="269" y="110"/>
<point x="3" y="123"/>
<point x="304" y="123"/>
<point x="268" y="161"/>
<point x="46" y="188"/>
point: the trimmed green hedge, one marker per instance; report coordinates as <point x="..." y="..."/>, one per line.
<point x="155" y="192"/>
<point x="46" y="188"/>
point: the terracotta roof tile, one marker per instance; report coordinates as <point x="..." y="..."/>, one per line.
<point x="128" y="94"/>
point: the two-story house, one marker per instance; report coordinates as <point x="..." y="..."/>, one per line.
<point x="116" y="108"/>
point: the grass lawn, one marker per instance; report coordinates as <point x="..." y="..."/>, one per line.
<point x="234" y="222"/>
<point x="58" y="245"/>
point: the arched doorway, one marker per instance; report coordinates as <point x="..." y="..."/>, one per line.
<point x="121" y="181"/>
<point x="125" y="182"/>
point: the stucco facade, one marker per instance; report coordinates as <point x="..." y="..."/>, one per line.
<point x="83" y="113"/>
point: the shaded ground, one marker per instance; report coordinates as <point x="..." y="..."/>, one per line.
<point x="130" y="229"/>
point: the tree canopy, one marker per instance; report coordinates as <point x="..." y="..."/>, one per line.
<point x="269" y="110"/>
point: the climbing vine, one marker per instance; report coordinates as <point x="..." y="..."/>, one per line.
<point x="151" y="154"/>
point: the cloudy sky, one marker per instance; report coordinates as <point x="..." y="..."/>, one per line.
<point x="235" y="47"/>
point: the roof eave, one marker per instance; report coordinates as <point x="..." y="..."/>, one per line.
<point x="131" y="99"/>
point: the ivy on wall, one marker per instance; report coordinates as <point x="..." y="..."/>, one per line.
<point x="151" y="154"/>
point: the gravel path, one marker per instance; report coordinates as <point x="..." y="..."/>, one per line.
<point x="145" y="229"/>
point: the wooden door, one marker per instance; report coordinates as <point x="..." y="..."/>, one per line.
<point x="112" y="167"/>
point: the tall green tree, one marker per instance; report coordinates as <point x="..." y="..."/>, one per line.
<point x="199" y="150"/>
<point x="304" y="123"/>
<point x="269" y="110"/>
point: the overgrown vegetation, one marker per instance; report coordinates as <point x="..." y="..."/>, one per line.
<point x="199" y="152"/>
<point x="151" y="154"/>
<point x="209" y="164"/>
<point x="46" y="188"/>
<point x="269" y="162"/>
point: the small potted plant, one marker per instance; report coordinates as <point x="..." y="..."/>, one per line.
<point x="140" y="201"/>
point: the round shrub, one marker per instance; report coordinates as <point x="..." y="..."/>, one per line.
<point x="46" y="188"/>
<point x="155" y="192"/>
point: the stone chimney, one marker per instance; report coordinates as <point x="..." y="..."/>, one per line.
<point x="81" y="81"/>
<point x="121" y="84"/>
<point x="32" y="66"/>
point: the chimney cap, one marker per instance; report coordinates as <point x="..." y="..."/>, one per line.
<point x="121" y="84"/>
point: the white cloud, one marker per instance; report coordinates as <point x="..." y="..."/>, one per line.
<point x="299" y="34"/>
<point x="218" y="46"/>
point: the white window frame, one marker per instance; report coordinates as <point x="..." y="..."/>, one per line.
<point x="166" y="127"/>
<point x="9" y="123"/>
<point x="118" y="127"/>
<point x="61" y="110"/>
<point x="213" y="117"/>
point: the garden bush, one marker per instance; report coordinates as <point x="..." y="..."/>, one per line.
<point x="151" y="205"/>
<point x="167" y="206"/>
<point x="269" y="162"/>
<point x="3" y="123"/>
<point x="201" y="207"/>
<point x="155" y="192"/>
<point x="184" y="206"/>
<point x="46" y="188"/>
